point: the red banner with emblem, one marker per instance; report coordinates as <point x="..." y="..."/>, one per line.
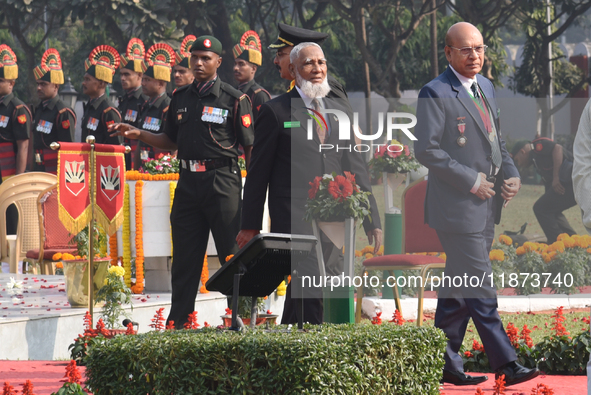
<point x="73" y="185"/>
<point x="110" y="185"/>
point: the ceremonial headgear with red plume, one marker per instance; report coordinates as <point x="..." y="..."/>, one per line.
<point x="134" y="55"/>
<point x="249" y="48"/>
<point x="159" y="62"/>
<point x="50" y="69"/>
<point x="102" y="63"/>
<point x="184" y="53"/>
<point x="8" y="66"/>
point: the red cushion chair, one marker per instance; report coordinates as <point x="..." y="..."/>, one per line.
<point x="417" y="237"/>
<point x="53" y="236"/>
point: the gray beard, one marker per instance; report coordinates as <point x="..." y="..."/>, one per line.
<point x="312" y="90"/>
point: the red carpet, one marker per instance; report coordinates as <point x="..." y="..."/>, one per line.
<point x="562" y="385"/>
<point x="46" y="377"/>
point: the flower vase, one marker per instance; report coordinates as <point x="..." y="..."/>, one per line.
<point x="76" y="274"/>
<point x="335" y="231"/>
<point x="395" y="179"/>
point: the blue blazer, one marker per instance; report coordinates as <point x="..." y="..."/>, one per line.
<point x="443" y="105"/>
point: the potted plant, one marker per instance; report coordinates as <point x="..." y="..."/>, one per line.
<point x="75" y="267"/>
<point x="395" y="159"/>
<point x="332" y="199"/>
<point x="162" y="164"/>
<point x="115" y="294"/>
<point x="244" y="310"/>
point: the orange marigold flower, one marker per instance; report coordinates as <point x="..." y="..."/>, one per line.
<point x="569" y="242"/>
<point x="520" y="251"/>
<point x="528" y="246"/>
<point x="557" y="246"/>
<point x="229" y="257"/>
<point x="504" y="239"/>
<point x="562" y="236"/>
<point x="57" y="256"/>
<point x="497" y="255"/>
<point x="59" y="265"/>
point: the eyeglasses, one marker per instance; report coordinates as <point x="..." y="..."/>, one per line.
<point x="465" y="51"/>
<point x="280" y="54"/>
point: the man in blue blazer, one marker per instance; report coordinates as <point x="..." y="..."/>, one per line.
<point x="471" y="177"/>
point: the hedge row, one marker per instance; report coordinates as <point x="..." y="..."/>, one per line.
<point x="329" y="359"/>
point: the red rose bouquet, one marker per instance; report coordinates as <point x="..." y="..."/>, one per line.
<point x="392" y="158"/>
<point x="334" y="198"/>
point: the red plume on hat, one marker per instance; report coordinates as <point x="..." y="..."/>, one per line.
<point x="50" y="69"/>
<point x="159" y="61"/>
<point x="102" y="63"/>
<point x="249" y="48"/>
<point x="134" y="55"/>
<point x="251" y="39"/>
<point x="8" y="66"/>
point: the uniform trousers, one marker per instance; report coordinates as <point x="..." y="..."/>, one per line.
<point x="548" y="209"/>
<point x="203" y="201"/>
<point x="468" y="258"/>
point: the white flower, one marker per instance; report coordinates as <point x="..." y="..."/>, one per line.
<point x="14" y="284"/>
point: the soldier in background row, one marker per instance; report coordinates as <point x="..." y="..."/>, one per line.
<point x="181" y="70"/>
<point x="99" y="112"/>
<point x="132" y="99"/>
<point x="15" y="126"/>
<point x="247" y="57"/>
<point x="157" y="69"/>
<point x="54" y="121"/>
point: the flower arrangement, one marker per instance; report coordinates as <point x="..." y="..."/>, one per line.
<point x="333" y="198"/>
<point x="162" y="164"/>
<point x="562" y="266"/>
<point x="115" y="294"/>
<point x="392" y="158"/>
<point x="138" y="287"/>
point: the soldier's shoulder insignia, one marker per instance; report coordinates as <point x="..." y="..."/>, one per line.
<point x="106" y="110"/>
<point x="22" y="119"/>
<point x="165" y="110"/>
<point x="246" y="120"/>
<point x="257" y="90"/>
<point x="243" y="97"/>
<point x="63" y="110"/>
<point x="539" y="147"/>
<point x="181" y="89"/>
<point x="66" y="124"/>
<point x="109" y="123"/>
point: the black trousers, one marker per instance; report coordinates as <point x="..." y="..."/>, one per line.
<point x="548" y="209"/>
<point x="307" y="301"/>
<point x="468" y="260"/>
<point x="203" y="201"/>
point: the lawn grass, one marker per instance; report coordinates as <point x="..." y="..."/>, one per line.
<point x="517" y="212"/>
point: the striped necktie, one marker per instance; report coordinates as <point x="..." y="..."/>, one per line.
<point x="497" y="157"/>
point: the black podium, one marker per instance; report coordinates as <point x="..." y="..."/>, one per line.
<point x="259" y="267"/>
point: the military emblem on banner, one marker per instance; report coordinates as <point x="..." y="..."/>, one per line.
<point x="110" y="181"/>
<point x="109" y="192"/>
<point x="73" y="185"/>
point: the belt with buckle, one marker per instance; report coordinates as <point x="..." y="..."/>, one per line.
<point x="197" y="166"/>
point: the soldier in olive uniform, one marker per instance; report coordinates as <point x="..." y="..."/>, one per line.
<point x="54" y="121"/>
<point x="15" y="124"/>
<point x="181" y="71"/>
<point x="247" y="57"/>
<point x="207" y="121"/>
<point x="157" y="69"/>
<point x="99" y="112"/>
<point x="132" y="100"/>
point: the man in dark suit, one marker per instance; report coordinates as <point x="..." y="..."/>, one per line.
<point x="471" y="177"/>
<point x="279" y="132"/>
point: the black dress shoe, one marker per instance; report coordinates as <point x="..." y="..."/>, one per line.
<point x="515" y="373"/>
<point x="460" y="378"/>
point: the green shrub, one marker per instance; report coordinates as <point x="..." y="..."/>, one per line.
<point x="329" y="359"/>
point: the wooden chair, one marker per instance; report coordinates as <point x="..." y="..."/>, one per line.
<point x="22" y="190"/>
<point x="53" y="236"/>
<point x="417" y="237"/>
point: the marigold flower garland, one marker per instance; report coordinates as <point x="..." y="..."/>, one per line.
<point x="113" y="249"/>
<point x="138" y="288"/>
<point x="204" y="276"/>
<point x="134" y="175"/>
<point x="172" y="188"/>
<point x="126" y="233"/>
